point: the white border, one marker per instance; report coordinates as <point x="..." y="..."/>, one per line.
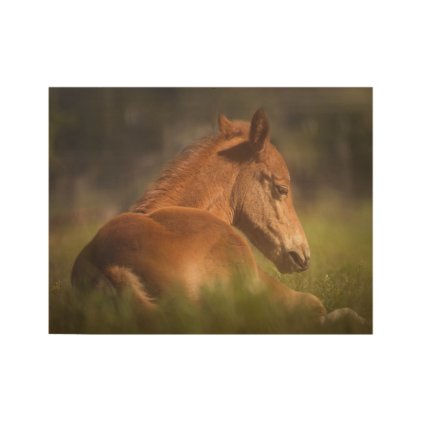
<point x="194" y="378"/>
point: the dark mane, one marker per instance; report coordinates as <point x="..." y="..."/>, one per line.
<point x="185" y="165"/>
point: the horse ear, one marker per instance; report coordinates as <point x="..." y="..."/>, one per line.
<point x="260" y="128"/>
<point x="225" y="125"/>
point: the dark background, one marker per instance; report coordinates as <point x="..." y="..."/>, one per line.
<point x="108" y="144"/>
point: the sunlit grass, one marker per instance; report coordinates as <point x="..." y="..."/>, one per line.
<point x="340" y="237"/>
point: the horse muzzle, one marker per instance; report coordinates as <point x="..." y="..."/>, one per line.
<point x="292" y="262"/>
<point x="299" y="262"/>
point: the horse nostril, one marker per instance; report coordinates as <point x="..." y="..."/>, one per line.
<point x="298" y="260"/>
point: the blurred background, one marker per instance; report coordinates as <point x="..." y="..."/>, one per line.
<point x="108" y="144"/>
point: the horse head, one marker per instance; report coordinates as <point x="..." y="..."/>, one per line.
<point x="262" y="195"/>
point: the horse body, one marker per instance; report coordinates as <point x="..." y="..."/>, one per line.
<point x="192" y="228"/>
<point x="173" y="247"/>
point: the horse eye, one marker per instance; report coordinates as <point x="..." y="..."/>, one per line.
<point x="281" y="189"/>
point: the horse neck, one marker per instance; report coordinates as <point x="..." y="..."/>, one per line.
<point x="207" y="186"/>
<point x="211" y="191"/>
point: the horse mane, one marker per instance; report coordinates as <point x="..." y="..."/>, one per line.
<point x="185" y="165"/>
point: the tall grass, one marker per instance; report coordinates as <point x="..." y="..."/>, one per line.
<point x="340" y="237"/>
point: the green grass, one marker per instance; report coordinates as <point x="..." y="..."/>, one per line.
<point x="340" y="274"/>
<point x="340" y="237"/>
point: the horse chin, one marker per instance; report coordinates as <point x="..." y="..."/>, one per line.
<point x="286" y="268"/>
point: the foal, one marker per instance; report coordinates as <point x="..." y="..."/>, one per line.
<point x="194" y="226"/>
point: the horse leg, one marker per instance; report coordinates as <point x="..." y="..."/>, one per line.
<point x="345" y="321"/>
<point x="88" y="278"/>
<point x="302" y="308"/>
